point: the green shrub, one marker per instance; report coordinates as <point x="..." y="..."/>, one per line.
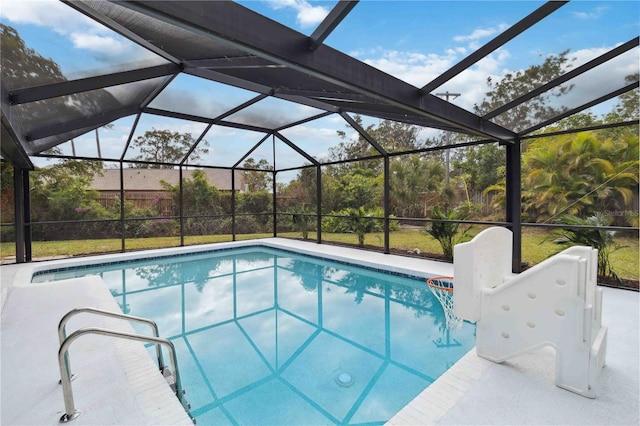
<point x="157" y="228"/>
<point x="448" y="234"/>
<point x="601" y="240"/>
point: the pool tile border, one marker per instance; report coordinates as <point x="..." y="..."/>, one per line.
<point x="226" y="249"/>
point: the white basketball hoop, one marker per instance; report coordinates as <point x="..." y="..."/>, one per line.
<point x="442" y="288"/>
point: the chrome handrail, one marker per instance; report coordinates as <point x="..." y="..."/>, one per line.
<point x="62" y="334"/>
<point x="69" y="406"/>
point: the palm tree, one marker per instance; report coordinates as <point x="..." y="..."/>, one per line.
<point x="545" y="182"/>
<point x="302" y="218"/>
<point x="601" y="240"/>
<point x="410" y="178"/>
<point x="580" y="174"/>
<point x="447" y="233"/>
<point x="360" y="222"/>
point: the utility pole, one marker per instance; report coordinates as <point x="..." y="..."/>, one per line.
<point x="446" y="96"/>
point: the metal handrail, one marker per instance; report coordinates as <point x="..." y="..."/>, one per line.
<point x="62" y="334"/>
<point x="69" y="406"/>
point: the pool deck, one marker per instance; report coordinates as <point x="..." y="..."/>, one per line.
<point x="118" y="382"/>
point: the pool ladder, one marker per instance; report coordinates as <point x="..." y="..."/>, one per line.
<point x="173" y="379"/>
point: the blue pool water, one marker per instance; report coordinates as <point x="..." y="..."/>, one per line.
<point x="272" y="337"/>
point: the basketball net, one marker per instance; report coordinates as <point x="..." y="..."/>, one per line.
<point x="442" y="288"/>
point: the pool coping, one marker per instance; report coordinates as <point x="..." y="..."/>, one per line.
<point x="422" y="268"/>
<point x="117" y="380"/>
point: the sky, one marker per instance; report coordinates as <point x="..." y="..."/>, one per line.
<point x="412" y="40"/>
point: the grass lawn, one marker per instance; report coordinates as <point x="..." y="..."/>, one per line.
<point x="536" y="246"/>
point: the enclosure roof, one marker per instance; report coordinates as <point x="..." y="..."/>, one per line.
<point x="229" y="46"/>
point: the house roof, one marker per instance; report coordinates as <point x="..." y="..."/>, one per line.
<point x="150" y="179"/>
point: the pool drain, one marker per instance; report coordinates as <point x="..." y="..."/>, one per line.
<point x="344" y="379"/>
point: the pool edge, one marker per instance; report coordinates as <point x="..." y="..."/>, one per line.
<point x="432" y="404"/>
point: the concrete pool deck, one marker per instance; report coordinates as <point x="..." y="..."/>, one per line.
<point x="127" y="388"/>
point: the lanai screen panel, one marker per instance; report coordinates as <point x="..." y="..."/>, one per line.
<point x="288" y="156"/>
<point x="227" y="146"/>
<point x="304" y="17"/>
<point x="150" y="141"/>
<point x="593" y="84"/>
<point x="46" y="144"/>
<point x="417" y="41"/>
<point x="557" y="44"/>
<point x="78" y="48"/>
<point x="200" y="97"/>
<point x="37" y="116"/>
<point x="318" y="137"/>
<point x="179" y="43"/>
<point x="106" y="143"/>
<point x="272" y="113"/>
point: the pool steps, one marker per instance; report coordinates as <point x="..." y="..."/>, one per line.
<point x="555" y="303"/>
<point x="172" y="379"/>
<point x="173" y="384"/>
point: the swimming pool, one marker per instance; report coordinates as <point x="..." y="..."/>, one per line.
<point x="272" y="337"/>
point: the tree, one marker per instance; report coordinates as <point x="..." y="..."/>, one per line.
<point x="395" y="136"/>
<point x="626" y="109"/>
<point x="48" y="183"/>
<point x="513" y="85"/>
<point x="24" y="67"/>
<point x="300" y="191"/>
<point x="166" y="147"/>
<point x="498" y="190"/>
<point x="199" y="197"/>
<point x="575" y="121"/>
<point x="256" y="203"/>
<point x="60" y="193"/>
<point x="256" y="179"/>
<point x="350" y="149"/>
<point x="580" y="174"/>
<point x="359" y="221"/>
<point x="7" y="196"/>
<point x="302" y="219"/>
<point x="412" y="179"/>
<point x="481" y="165"/>
<point x="598" y="239"/>
<point x="628" y="106"/>
<point x="448" y="233"/>
<point x="357" y="188"/>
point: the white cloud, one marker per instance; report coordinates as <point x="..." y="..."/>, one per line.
<point x="82" y="32"/>
<point x="311" y="16"/>
<point x="480" y="34"/>
<point x="419" y="68"/>
<point x="600" y="80"/>
<point x="413" y="67"/>
<point x="592" y="14"/>
<point x="361" y="53"/>
<point x="97" y="43"/>
<point x="51" y="14"/>
<point x="583" y="56"/>
<point x="470" y="84"/>
<point x="307" y="14"/>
